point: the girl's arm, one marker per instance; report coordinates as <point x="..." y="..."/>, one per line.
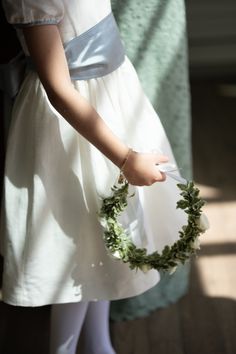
<point x="46" y="49"/>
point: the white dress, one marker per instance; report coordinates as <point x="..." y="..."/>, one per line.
<point x="54" y="179"/>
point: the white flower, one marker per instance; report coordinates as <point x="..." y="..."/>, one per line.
<point x="145" y="268"/>
<point x="103" y="222"/>
<point x="196" y="243"/>
<point x="203" y="223"/>
<point x="116" y="254"/>
<point x="172" y="270"/>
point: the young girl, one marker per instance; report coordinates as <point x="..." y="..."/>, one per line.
<point x="79" y="117"/>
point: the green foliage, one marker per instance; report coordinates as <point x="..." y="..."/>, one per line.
<point x="119" y="244"/>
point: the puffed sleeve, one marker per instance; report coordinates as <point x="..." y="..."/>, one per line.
<point x="22" y="13"/>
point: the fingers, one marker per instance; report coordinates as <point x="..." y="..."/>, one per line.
<point x="161" y="158"/>
<point x="141" y="169"/>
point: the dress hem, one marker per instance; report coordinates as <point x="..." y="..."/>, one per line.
<point x="75" y="298"/>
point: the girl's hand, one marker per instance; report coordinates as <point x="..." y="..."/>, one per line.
<point x="141" y="169"/>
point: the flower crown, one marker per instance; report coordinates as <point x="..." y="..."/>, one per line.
<point x="119" y="244"/>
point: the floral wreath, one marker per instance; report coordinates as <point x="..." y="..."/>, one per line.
<point x="120" y="245"/>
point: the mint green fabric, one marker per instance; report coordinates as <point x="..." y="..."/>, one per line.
<point x="154" y="33"/>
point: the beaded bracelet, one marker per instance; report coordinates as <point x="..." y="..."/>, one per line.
<point x="122" y="176"/>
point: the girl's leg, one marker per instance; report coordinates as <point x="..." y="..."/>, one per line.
<point x="96" y="329"/>
<point x="66" y="323"/>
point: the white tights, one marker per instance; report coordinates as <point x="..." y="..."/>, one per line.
<point x="66" y="324"/>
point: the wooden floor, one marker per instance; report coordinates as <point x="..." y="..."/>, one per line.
<point x="204" y="321"/>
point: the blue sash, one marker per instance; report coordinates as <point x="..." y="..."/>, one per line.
<point x="12" y="74"/>
<point x="95" y="53"/>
